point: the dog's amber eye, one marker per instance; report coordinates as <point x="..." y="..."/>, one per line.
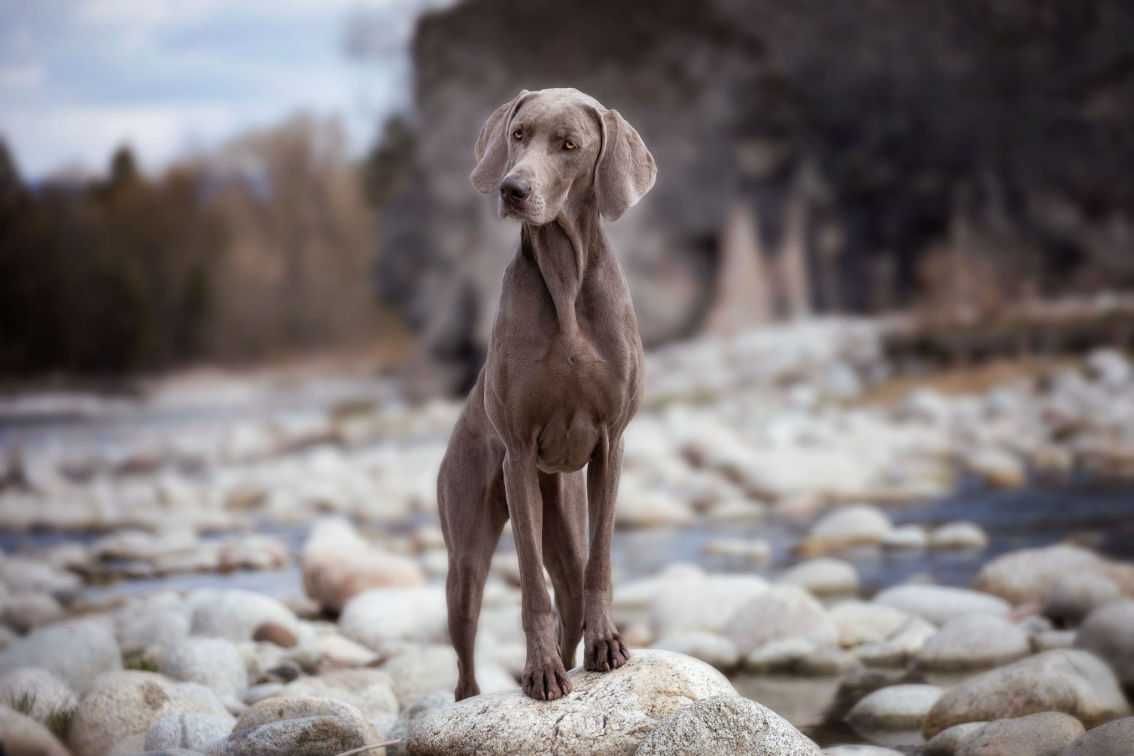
<point x="518" y="134"/>
<point x="569" y="145"/>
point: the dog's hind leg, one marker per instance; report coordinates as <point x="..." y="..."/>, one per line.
<point x="470" y="494"/>
<point x="565" y="553"/>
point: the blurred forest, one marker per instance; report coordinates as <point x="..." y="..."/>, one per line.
<point x="262" y="247"/>
<point x="815" y="157"/>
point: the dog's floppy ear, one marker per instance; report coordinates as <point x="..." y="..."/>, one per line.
<point x="625" y="170"/>
<point x="491" y="149"/>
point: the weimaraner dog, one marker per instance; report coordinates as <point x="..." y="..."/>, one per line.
<point x="562" y="379"/>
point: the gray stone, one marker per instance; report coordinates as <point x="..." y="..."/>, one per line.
<point x="421" y="670"/>
<point x="1043" y="734"/>
<point x="23" y="736"/>
<point x="708" y="647"/>
<point x="845" y="528"/>
<point x="76" y="652"/>
<point x="1108" y="633"/>
<point x="974" y="641"/>
<point x="701" y="602"/>
<point x="823" y="577"/>
<point x="781" y="613"/>
<point x="300" y="727"/>
<point x="958" y="535"/>
<point x="949" y="741"/>
<point x="46" y="693"/>
<point x="235" y="614"/>
<point x="898" y="707"/>
<point x="609" y="713"/>
<point x="213" y="662"/>
<point x="939" y="604"/>
<point x="190" y="730"/>
<point x="725" y="724"/>
<point x="380" y="618"/>
<point x="26" y="611"/>
<point x="125" y="704"/>
<point x="1027" y="575"/>
<point x="1070" y="598"/>
<point x="371" y="691"/>
<point x="1111" y="739"/>
<point x="1073" y="682"/>
<point x="860" y="750"/>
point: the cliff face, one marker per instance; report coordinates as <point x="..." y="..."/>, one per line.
<point x="867" y="141"/>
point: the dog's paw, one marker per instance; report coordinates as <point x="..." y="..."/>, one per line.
<point x="606" y="652"/>
<point x="545" y="680"/>
<point x="466" y="690"/>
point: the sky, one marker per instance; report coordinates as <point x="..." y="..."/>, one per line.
<point x="78" y="78"/>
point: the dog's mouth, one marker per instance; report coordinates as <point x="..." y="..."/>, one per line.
<point x="521" y="209"/>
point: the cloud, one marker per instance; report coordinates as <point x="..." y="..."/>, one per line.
<point x="78" y="79"/>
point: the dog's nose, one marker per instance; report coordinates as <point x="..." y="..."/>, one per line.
<point x="515" y="188"/>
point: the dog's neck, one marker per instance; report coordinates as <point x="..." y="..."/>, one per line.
<point x="564" y="250"/>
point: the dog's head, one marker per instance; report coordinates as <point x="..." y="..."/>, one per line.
<point x="557" y="149"/>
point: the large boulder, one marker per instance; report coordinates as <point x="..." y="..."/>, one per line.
<point x="1044" y="734"/>
<point x="125" y="704"/>
<point x="1073" y="682"/>
<point x="778" y="614"/>
<point x="76" y="652"/>
<point x="338" y="564"/>
<point x="974" y="641"/>
<point x="1109" y="634"/>
<point x="725" y="725"/>
<point x="606" y="713"/>
<point x="298" y="726"/>
<point x="1111" y="739"/>
<point x="939" y="604"/>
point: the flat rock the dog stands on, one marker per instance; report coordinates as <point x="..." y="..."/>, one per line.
<point x="562" y="379"/>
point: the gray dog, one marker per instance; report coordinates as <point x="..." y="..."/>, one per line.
<point x="562" y="379"/>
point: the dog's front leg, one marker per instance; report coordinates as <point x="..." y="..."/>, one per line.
<point x="604" y="648"/>
<point x="544" y="676"/>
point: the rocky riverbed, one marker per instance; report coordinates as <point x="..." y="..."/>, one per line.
<point x="812" y="552"/>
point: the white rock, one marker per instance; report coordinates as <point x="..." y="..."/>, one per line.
<point x="213" y="662"/>
<point x="422" y="670"/>
<point x="298" y="726"/>
<point x="1109" y="634"/>
<point x="780" y="613"/>
<point x="77" y="652"/>
<point x="339" y="565"/>
<point x="609" y="713"/>
<point x="125" y="704"/>
<point x="701" y="603"/>
<point x="192" y="731"/>
<point x="1074" y="682"/>
<point x="845" y="528"/>
<point x="708" y="647"/>
<point x="997" y="467"/>
<point x="47" y="695"/>
<point x="958" y="535"/>
<point x="909" y="537"/>
<point x="823" y="577"/>
<point x="861" y="622"/>
<point x="371" y="691"/>
<point x="974" y="641"/>
<point x="726" y="725"/>
<point x="897" y="707"/>
<point x="379" y="618"/>
<point x="21" y="735"/>
<point x="757" y="552"/>
<point x="235" y="614"/>
<point x="939" y="604"/>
